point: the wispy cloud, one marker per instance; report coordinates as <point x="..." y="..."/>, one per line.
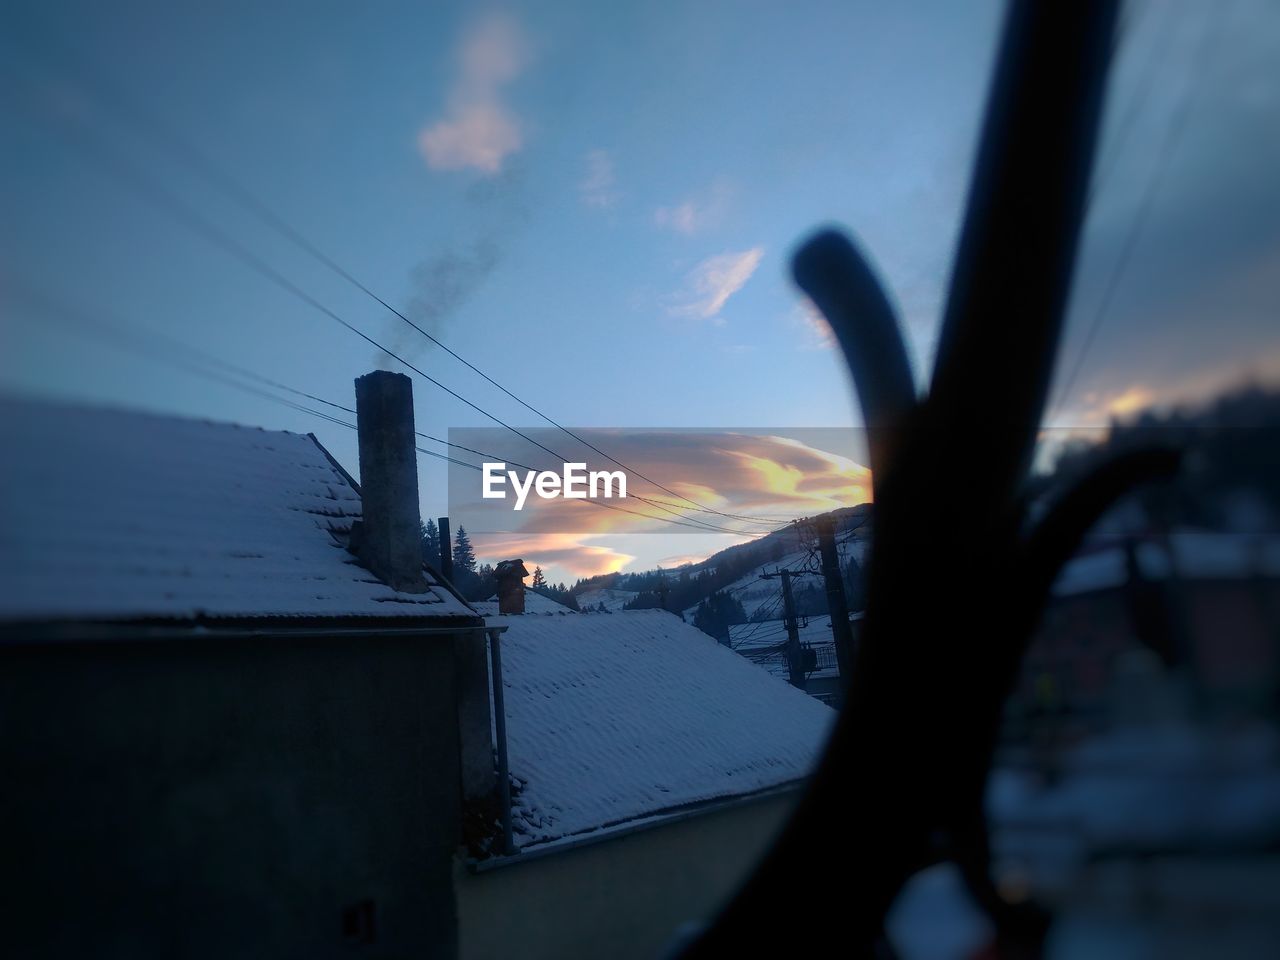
<point x="683" y="218"/>
<point x="696" y="213"/>
<point x="710" y="284"/>
<point x="598" y="187"/>
<point x="479" y="131"/>
<point x="818" y="334"/>
<point x="751" y="474"/>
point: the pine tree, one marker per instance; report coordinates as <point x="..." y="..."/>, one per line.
<point x="539" y="580"/>
<point x="855" y="591"/>
<point x="431" y="543"/>
<point x="485" y="584"/>
<point x="717" y="613"/>
<point x="464" y="558"/>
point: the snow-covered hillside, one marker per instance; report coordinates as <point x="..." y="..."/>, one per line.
<point x="612" y="599"/>
<point x="755" y="594"/>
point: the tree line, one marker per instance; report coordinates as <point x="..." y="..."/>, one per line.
<point x="478" y="581"/>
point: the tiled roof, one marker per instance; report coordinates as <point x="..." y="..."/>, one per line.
<point x="113" y="515"/>
<point x="615" y="717"/>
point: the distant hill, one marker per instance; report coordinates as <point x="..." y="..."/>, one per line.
<point x="737" y="568"/>
<point x="607" y="598"/>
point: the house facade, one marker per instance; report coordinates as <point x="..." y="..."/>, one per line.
<point x="1184" y="626"/>
<point x="650" y="768"/>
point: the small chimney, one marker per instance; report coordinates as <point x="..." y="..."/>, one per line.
<point x="510" y="575"/>
<point x="446" y="549"/>
<point x="388" y="540"/>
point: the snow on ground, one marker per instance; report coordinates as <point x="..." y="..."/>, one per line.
<point x="763" y="643"/>
<point x="1142" y="790"/>
<point x="935" y="918"/>
<point x="755" y="594"/>
<point x="613" y="718"/>
<point x="612" y="599"/>
<point x="107" y="514"/>
<point x="1158" y="841"/>
<point x="764" y="596"/>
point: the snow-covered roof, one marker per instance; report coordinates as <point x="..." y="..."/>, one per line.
<point x="1199" y="554"/>
<point x="114" y="515"/>
<point x="533" y="603"/>
<point x="617" y="717"/>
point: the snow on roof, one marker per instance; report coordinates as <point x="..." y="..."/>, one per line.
<point x="615" y="717"/>
<point x="1200" y="554"/>
<point x="111" y="515"/>
<point x="533" y="603"/>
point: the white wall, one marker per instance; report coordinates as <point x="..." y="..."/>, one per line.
<point x="618" y="898"/>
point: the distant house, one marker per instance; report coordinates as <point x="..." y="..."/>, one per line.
<point x="650" y="767"/>
<point x="764" y="643"/>
<point x="222" y="730"/>
<point x="1198" y="605"/>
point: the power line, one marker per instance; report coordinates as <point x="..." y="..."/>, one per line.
<point x="189" y="217"/>
<point x="178" y="145"/>
<point x="195" y="361"/>
<point x="772" y="605"/>
<point x="1173" y="134"/>
<point x="1108" y="161"/>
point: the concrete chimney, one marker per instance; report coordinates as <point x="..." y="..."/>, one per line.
<point x="510" y="575"/>
<point x="388" y="540"/>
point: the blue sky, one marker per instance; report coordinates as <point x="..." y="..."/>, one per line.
<point x="595" y="203"/>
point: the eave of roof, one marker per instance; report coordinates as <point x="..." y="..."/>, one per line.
<point x="19" y="633"/>
<point x="623" y="828"/>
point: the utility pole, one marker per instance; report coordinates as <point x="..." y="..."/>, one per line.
<point x="836" y="602"/>
<point x="446" y="549"/>
<point x="794" y="663"/>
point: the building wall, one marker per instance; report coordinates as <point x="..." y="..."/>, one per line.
<point x="618" y="898"/>
<point x="228" y="797"/>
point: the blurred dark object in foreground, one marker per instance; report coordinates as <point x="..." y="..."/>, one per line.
<point x="1137" y="785"/>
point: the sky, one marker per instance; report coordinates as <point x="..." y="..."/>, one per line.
<point x="595" y="204"/>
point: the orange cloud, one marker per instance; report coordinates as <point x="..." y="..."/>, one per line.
<point x="770" y="477"/>
<point x="569" y="552"/>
